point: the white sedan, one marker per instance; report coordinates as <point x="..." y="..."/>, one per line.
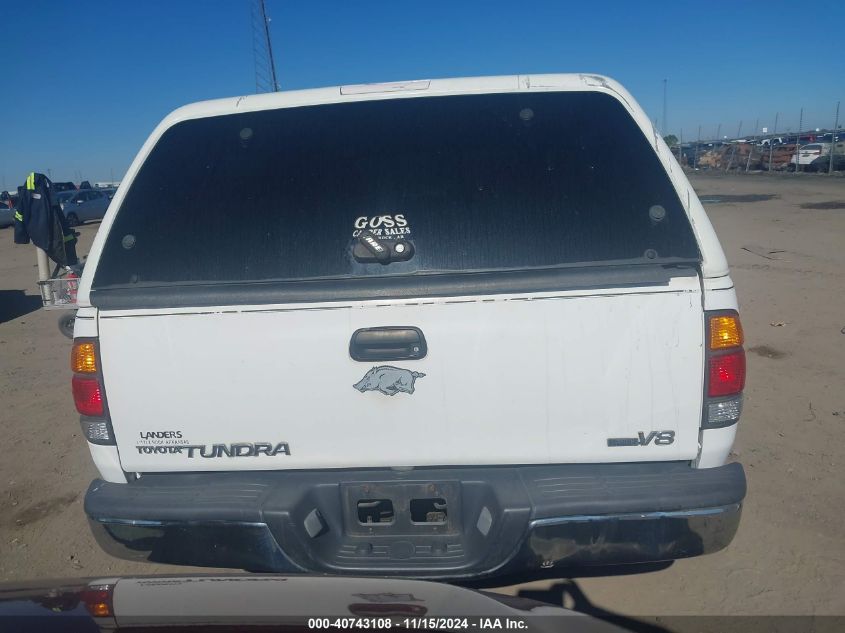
<point x="806" y="154"/>
<point x="84" y="205"/>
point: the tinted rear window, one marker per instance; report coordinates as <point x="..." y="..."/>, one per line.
<point x="480" y="182"/>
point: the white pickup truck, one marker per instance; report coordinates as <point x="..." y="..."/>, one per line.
<point x="451" y="328"/>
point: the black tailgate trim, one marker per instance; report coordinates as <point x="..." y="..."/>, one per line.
<point x="391" y="287"/>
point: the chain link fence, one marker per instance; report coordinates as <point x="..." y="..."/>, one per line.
<point x="821" y="151"/>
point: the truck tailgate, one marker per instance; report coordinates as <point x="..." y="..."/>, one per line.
<point x="612" y="375"/>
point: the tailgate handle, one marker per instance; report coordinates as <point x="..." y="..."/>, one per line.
<point x="388" y="343"/>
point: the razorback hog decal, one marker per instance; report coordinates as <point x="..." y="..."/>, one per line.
<point x="389" y="380"/>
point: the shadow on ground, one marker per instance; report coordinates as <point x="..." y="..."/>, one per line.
<point x="566" y="573"/>
<point x="567" y="593"/>
<point x="16" y="303"/>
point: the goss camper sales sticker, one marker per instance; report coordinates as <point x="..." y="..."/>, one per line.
<point x="387" y="227"/>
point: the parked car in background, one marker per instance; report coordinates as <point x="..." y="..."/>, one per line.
<point x="63" y="197"/>
<point x="806" y="154"/>
<point x="817" y="155"/>
<point x="84" y="205"/>
<point x="64" y="186"/>
<point x="823" y="163"/>
<point x="7" y="214"/>
<point x="10" y="198"/>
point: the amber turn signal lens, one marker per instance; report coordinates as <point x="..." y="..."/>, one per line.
<point x="725" y="331"/>
<point x="83" y="358"/>
<point x="99" y="609"/>
<point x="98" y="600"/>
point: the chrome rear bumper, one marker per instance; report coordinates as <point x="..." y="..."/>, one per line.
<point x="508" y="520"/>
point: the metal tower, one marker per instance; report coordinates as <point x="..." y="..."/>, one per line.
<point x="262" y="49"/>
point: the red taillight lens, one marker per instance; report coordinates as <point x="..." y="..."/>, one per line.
<point x="87" y="396"/>
<point x="727" y="374"/>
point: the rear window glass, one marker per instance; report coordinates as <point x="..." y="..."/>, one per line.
<point x="478" y="182"/>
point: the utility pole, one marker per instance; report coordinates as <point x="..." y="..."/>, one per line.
<point x="663" y="131"/>
<point x="798" y="141"/>
<point x="833" y="139"/>
<point x="753" y="144"/>
<point x="681" y="149"/>
<point x="772" y="140"/>
<point x="695" y="155"/>
<point x="733" y="151"/>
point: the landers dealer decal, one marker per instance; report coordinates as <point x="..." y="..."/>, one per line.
<point x="172" y="442"/>
<point x="160" y="442"/>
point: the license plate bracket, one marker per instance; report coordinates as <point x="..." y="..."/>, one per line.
<point x="402" y="508"/>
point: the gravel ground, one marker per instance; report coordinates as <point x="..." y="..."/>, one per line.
<point x="784" y="236"/>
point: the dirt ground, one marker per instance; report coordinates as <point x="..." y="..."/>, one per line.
<point x="788" y="263"/>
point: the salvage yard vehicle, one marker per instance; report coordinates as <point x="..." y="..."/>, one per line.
<point x="64" y="186"/>
<point x="813" y="155"/>
<point x="84" y="205"/>
<point x="7" y="214"/>
<point x="806" y="154"/>
<point x="442" y="332"/>
<point x="823" y="164"/>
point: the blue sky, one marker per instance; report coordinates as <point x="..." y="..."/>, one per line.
<point x="88" y="80"/>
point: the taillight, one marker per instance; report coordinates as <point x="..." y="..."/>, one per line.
<point x="83" y="357"/>
<point x="88" y="393"/>
<point x="725" y="374"/>
<point x="98" y="600"/>
<point x="87" y="396"/>
<point x="725" y="331"/>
